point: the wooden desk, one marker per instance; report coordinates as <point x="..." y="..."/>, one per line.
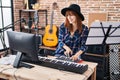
<point x="45" y="73"/>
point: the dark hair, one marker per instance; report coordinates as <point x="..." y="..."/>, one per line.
<point x="78" y="19"/>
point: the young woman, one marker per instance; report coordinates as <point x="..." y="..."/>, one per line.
<point x="72" y="33"/>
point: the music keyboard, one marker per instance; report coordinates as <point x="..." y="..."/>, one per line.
<point x="63" y="65"/>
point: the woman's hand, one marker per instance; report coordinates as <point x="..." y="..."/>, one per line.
<point x="76" y="56"/>
<point x="68" y="51"/>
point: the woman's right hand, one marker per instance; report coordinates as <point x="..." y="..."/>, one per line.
<point x="68" y="51"/>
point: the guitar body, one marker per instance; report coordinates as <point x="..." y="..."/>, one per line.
<point x="50" y="38"/>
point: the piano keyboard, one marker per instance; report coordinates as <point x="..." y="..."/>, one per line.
<point x="63" y="65"/>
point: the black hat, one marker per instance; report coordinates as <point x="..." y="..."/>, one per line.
<point x="75" y="8"/>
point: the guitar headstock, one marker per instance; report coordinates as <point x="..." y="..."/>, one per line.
<point x="54" y="6"/>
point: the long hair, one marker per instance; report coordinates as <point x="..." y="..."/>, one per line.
<point x="78" y="21"/>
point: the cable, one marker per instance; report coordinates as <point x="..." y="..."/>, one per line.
<point x="14" y="74"/>
<point x="91" y="69"/>
<point x="86" y="75"/>
<point x="5" y="69"/>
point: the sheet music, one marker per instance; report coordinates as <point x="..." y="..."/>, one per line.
<point x="96" y="34"/>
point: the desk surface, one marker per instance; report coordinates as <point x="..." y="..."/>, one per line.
<point x="45" y="73"/>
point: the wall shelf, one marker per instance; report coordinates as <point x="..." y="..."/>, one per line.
<point x="29" y="15"/>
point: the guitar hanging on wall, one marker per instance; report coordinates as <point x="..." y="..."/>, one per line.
<point x="50" y="38"/>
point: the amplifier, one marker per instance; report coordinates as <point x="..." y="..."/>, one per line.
<point x="98" y="49"/>
<point x="102" y="72"/>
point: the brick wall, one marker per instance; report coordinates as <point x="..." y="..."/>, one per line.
<point x="111" y="7"/>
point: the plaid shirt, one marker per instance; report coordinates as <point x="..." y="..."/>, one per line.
<point x="75" y="43"/>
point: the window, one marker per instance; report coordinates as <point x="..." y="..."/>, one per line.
<point x="6" y="18"/>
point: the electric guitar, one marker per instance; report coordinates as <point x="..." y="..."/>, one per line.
<point x="50" y="38"/>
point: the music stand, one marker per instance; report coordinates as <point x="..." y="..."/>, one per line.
<point x="107" y="33"/>
<point x="104" y="33"/>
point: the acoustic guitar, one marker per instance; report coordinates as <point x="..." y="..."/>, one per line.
<point x="50" y="38"/>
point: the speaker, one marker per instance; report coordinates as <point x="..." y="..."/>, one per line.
<point x="114" y="62"/>
<point x="102" y="72"/>
<point x="98" y="49"/>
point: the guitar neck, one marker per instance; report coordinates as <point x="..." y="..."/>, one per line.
<point x="51" y="24"/>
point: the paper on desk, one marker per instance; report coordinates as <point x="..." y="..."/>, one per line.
<point x="8" y="60"/>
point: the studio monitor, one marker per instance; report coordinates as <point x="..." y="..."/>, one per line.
<point x="98" y="49"/>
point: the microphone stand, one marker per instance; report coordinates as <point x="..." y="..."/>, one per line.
<point x="38" y="38"/>
<point x="36" y="20"/>
<point x="2" y="34"/>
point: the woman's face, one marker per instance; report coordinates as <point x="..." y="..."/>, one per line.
<point x="71" y="17"/>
